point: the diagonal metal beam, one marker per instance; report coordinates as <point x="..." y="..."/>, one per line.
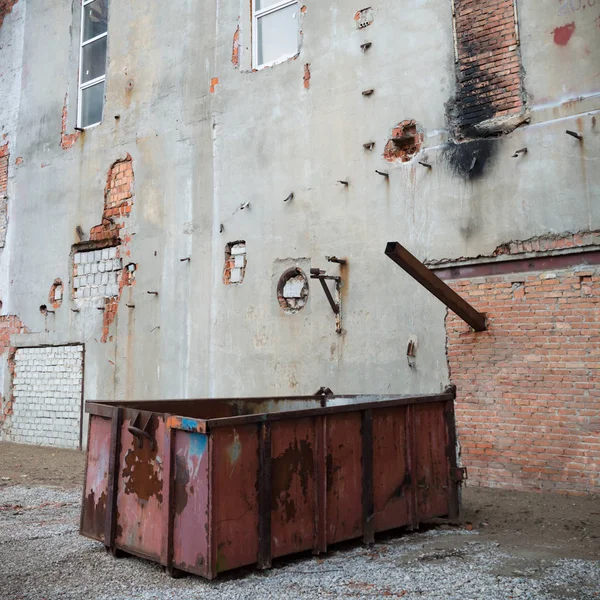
<point x="431" y="282"/>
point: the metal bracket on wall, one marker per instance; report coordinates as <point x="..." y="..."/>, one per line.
<point x="336" y="304"/>
<point x="431" y="282"/>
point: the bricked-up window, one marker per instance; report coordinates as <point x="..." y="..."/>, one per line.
<point x="92" y="63"/>
<point x="488" y="60"/>
<point x="275" y="31"/>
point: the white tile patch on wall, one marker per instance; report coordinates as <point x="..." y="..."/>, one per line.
<point x="47" y="393"/>
<point x="96" y="273"/>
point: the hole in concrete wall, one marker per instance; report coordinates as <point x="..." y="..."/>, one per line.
<point x="364" y="17"/>
<point x="405" y="141"/>
<point x="55" y="297"/>
<point x="235" y="262"/>
<point x="292" y="290"/>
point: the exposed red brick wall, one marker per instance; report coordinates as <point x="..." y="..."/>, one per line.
<point x="404" y="143"/>
<point x="6" y="7"/>
<point x="9" y="325"/>
<point x="4" y="158"/>
<point x="551" y="242"/>
<point x="528" y="403"/>
<point x="235" y="49"/>
<point x="306" y="76"/>
<point x="118" y="200"/>
<point x="67" y="139"/>
<point x="489" y="65"/>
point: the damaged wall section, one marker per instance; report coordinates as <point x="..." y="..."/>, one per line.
<point x="98" y="264"/>
<point x="9" y="325"/>
<point x="4" y="158"/>
<point x="488" y="62"/>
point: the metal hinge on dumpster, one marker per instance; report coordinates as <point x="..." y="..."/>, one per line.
<point x="459" y="474"/>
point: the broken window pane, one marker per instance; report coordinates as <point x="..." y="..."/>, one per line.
<point x="277" y="35"/>
<point x="93" y="60"/>
<point x="95" y="19"/>
<point x="92" y="99"/>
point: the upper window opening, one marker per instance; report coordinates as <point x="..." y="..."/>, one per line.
<point x="275" y="31"/>
<point x="92" y="63"/>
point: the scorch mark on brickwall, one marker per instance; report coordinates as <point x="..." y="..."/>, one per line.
<point x="490" y="99"/>
<point x="563" y="34"/>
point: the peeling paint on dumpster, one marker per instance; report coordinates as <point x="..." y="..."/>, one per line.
<point x="238" y="482"/>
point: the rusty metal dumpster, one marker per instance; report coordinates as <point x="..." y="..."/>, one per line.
<point x="206" y="486"/>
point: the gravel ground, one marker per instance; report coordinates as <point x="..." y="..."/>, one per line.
<point x="43" y="557"/>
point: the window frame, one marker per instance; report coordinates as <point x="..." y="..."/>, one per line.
<point x="102" y="78"/>
<point x="256" y="15"/>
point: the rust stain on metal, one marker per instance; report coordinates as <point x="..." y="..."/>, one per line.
<point x="267" y="477"/>
<point x="94" y="514"/>
<point x="140" y="474"/>
<point x="298" y="461"/>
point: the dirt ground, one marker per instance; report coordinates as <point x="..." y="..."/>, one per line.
<point x="22" y="464"/>
<point x="537" y="525"/>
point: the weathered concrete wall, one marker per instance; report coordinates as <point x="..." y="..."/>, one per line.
<point x="207" y="134"/>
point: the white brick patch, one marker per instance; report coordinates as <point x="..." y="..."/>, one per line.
<point x="238" y="254"/>
<point x="47" y="393"/>
<point x="96" y="273"/>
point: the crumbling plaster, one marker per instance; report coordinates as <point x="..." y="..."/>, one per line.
<point x="260" y="136"/>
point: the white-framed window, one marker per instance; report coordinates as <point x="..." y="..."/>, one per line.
<point x="275" y="31"/>
<point x="92" y="62"/>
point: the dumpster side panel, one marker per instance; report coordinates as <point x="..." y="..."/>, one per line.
<point x="293" y="486"/>
<point x="344" y="477"/>
<point x="140" y="489"/>
<point x="235" y="499"/>
<point x="96" y="478"/>
<point x="432" y="465"/>
<point x="392" y="482"/>
<point x="190" y="500"/>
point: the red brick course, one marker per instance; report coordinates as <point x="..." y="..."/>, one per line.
<point x="528" y="404"/>
<point x="9" y="325"/>
<point x="67" y="139"/>
<point x="4" y="158"/>
<point x="489" y="65"/>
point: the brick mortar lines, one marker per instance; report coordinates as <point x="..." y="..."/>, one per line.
<point x="534" y="376"/>
<point x="489" y="71"/>
<point x="47" y="388"/>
